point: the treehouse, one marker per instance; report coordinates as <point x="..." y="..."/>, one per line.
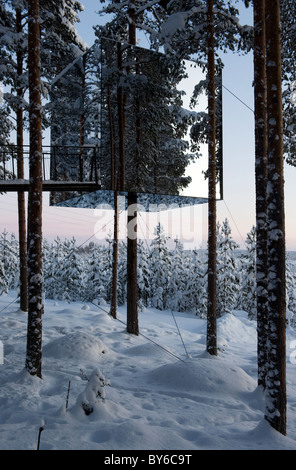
<point x="138" y="120"/>
<point x="126" y="119"/>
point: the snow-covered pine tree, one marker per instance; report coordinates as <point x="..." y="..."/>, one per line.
<point x="9" y="258"/>
<point x="14" y="249"/>
<point x="3" y="280"/>
<point x="71" y="271"/>
<point x="53" y="288"/>
<point x="248" y="292"/>
<point x="6" y="128"/>
<point x="288" y="13"/>
<point x="60" y="41"/>
<point x="143" y="275"/>
<point x="15" y="48"/>
<point x="59" y="45"/>
<point x="159" y="268"/>
<point x="228" y="281"/>
<point x="94" y="287"/>
<point x="122" y="274"/>
<point x="196" y="292"/>
<point x="5" y="263"/>
<point x="13" y="39"/>
<point x="178" y="279"/>
<point x="184" y="30"/>
<point x="46" y="250"/>
<point x="58" y="35"/>
<point x="106" y="265"/>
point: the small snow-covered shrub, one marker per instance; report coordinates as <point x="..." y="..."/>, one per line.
<point x="94" y="392"/>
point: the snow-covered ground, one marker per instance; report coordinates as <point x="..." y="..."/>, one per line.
<point x="165" y="392"/>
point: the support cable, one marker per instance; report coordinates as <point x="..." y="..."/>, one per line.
<point x="188" y="355"/>
<point x="236" y="97"/>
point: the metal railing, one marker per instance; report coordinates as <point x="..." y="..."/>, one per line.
<point x="59" y="163"/>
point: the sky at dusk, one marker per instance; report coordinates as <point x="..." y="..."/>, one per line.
<point x="238" y="204"/>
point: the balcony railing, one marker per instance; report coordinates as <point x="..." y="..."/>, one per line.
<point x="80" y="170"/>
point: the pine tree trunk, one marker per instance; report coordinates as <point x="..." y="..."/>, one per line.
<point x="82" y="121"/>
<point x="132" y="277"/>
<point x="276" y="371"/>
<point x="212" y="241"/>
<point x="113" y="168"/>
<point x="117" y="178"/>
<point x="121" y="124"/>
<point x="20" y="174"/>
<point x="113" y="309"/>
<point x="261" y="184"/>
<point x="35" y="310"/>
<point x="114" y="186"/>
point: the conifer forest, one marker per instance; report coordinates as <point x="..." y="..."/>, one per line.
<point x="153" y="344"/>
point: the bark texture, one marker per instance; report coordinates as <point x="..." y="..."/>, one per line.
<point x="35" y="308"/>
<point x="212" y="241"/>
<point x="20" y="174"/>
<point x="261" y="184"/>
<point x="276" y="370"/>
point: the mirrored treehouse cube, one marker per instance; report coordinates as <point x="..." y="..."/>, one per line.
<point x="132" y="120"/>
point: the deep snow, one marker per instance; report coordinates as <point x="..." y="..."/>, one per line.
<point x="161" y="395"/>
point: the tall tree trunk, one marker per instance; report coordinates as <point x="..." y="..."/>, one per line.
<point x="261" y="184"/>
<point x="121" y="124"/>
<point x="132" y="22"/>
<point x="113" y="307"/>
<point x="212" y="240"/>
<point x="132" y="278"/>
<point x="113" y="176"/>
<point x="20" y="174"/>
<point x="276" y="369"/>
<point x="35" y="310"/>
<point x="82" y="120"/>
<point x="117" y="178"/>
<point x="114" y="187"/>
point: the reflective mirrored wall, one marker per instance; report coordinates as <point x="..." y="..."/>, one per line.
<point x="133" y="120"/>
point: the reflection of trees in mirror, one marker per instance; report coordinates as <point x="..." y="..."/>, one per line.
<point x="199" y="129"/>
<point x="127" y="102"/>
<point x="147" y="202"/>
<point x="154" y="125"/>
<point x="75" y="116"/>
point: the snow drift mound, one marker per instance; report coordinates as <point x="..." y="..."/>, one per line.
<point x="207" y="375"/>
<point x="147" y="350"/>
<point x="76" y="345"/>
<point x="237" y="329"/>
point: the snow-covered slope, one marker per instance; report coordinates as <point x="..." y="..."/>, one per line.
<point x="160" y="393"/>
